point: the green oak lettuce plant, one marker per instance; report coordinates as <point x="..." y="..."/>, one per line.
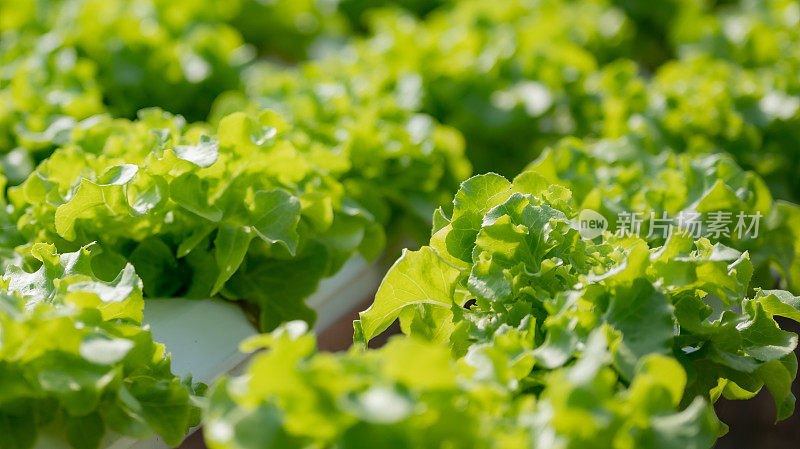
<point x="75" y="361"/>
<point x="412" y="393"/>
<point x="401" y="154"/>
<point x="510" y="261"/>
<point x="253" y="211"/>
<point x="190" y="211"/>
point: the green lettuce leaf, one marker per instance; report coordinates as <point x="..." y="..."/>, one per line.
<point x="75" y="361"/>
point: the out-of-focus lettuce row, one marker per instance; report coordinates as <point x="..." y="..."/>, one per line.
<point x="75" y="362"/>
<point x="617" y="177"/>
<point x="700" y="104"/>
<point x="749" y="32"/>
<point x="293" y="30"/>
<point x="412" y="394"/>
<point x="733" y="87"/>
<point x="509" y="273"/>
<point x="509" y="75"/>
<point x="512" y="76"/>
<point x="64" y="62"/>
<point x="741" y="71"/>
<point x="44" y="92"/>
<point x="655" y="23"/>
<point x="174" y="55"/>
<point x="255" y="210"/>
<point x="517" y="76"/>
